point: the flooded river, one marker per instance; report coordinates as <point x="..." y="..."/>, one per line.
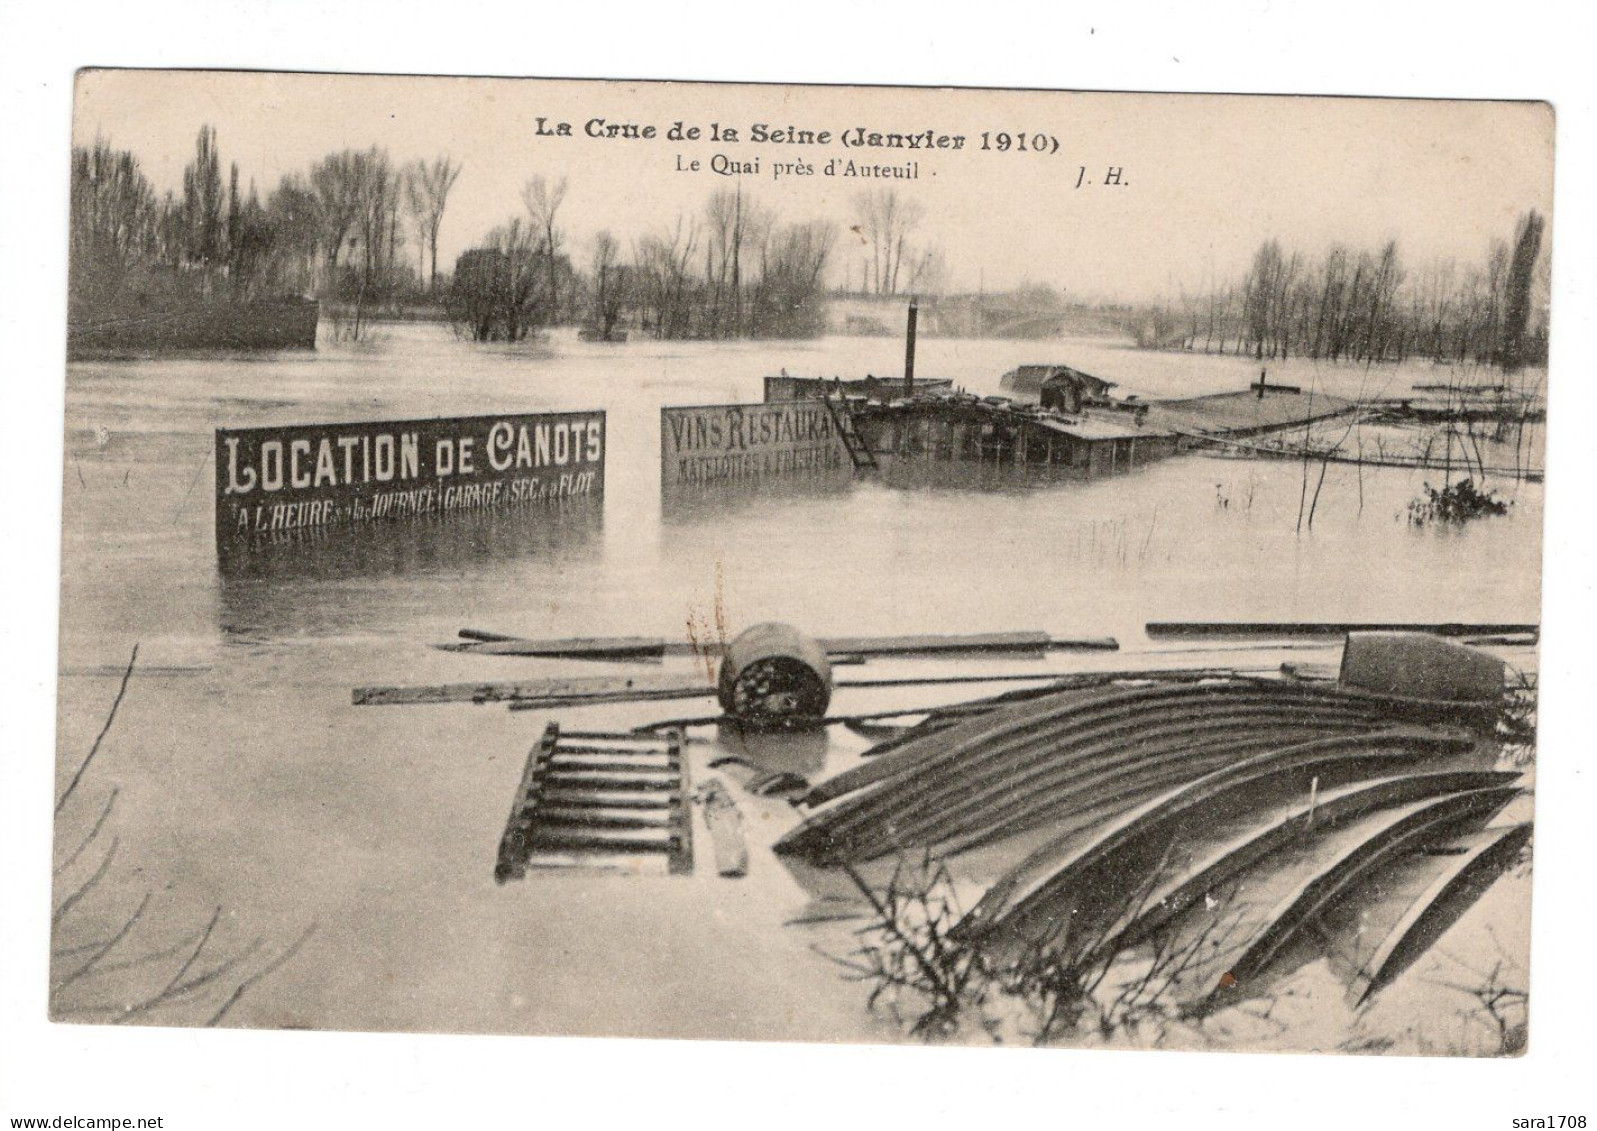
<point x="247" y="780"/>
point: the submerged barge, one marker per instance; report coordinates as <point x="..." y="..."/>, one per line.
<point x="1062" y="419"/>
<point x="1253" y="411"/>
<point x="963" y="427"/>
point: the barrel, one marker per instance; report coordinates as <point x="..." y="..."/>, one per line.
<point x="772" y="675"/>
<point x="1417" y="665"/>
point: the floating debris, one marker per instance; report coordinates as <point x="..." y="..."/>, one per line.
<point x="1291" y="629"/>
<point x="1419" y="664"/>
<point x="588" y="796"/>
<point x="633" y="648"/>
<point x="1164" y="804"/>
<point x="772" y="674"/>
<point x="1485" y="857"/>
<point x="1067" y="754"/>
<point x="1072" y="878"/>
<point x="725" y="821"/>
<point x="1396" y="834"/>
<point x="782" y="783"/>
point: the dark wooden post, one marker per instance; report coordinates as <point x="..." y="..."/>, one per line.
<point x="909" y="351"/>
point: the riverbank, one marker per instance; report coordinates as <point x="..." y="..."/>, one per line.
<point x="139" y="325"/>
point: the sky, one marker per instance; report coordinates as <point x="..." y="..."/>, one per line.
<point x="1203" y="179"/>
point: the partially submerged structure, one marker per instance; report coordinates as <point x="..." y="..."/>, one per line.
<point x="589" y="797"/>
<point x="1226" y="820"/>
<point x="1222" y="821"/>
<point x="1465" y="404"/>
<point x="1071" y="390"/>
<point x="871" y="389"/>
<point x="1254" y="411"/>
<point x="1030" y="381"/>
<point x="998" y="431"/>
<point x="1058" y="417"/>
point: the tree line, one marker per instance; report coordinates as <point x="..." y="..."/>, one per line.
<point x="336" y="230"/>
<point x="361" y="231"/>
<point x="735" y="269"/>
<point x="1366" y="306"/>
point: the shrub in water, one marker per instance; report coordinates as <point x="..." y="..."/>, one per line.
<point x="1457" y="503"/>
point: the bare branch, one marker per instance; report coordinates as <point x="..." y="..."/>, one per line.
<point x="88" y="840"/>
<point x="109" y="719"/>
<point x="264" y="972"/>
<point x="94" y="960"/>
<point x="71" y="901"/>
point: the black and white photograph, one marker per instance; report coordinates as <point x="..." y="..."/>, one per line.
<point x="799" y="564"/>
<point x="920" y="555"/>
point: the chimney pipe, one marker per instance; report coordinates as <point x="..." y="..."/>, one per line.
<point x="909" y="350"/>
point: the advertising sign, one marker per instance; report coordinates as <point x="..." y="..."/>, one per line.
<point x="279" y="480"/>
<point x="705" y="443"/>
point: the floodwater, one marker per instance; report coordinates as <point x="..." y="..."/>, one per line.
<point x="246" y="780"/>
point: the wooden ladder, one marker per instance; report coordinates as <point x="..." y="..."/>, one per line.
<point x="585" y="795"/>
<point x="859" y="452"/>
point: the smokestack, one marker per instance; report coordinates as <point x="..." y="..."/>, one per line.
<point x="909" y="350"/>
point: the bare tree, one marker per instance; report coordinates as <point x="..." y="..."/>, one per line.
<point x="1517" y="290"/>
<point x="202" y="202"/>
<point x="116" y="222"/>
<point x="498" y="292"/>
<point x="1365" y="306"/>
<point x="542" y="199"/>
<point x="427" y="186"/>
<point x="886" y="221"/>
<point x="612" y="285"/>
<point x="737" y="231"/>
<point x="788" y="302"/>
<point x="666" y="287"/>
<point x="356" y="194"/>
<point x="333" y="187"/>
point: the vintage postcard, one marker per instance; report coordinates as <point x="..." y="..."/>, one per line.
<point x="857" y="564"/>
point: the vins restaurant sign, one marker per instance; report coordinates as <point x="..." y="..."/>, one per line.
<point x="278" y="481"/>
<point x="707" y="443"/>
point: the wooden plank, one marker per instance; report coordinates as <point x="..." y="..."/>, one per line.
<point x="1160" y="629"/>
<point x="563" y="779"/>
<point x="685" y="685"/>
<point x="572" y="798"/>
<point x="614" y="818"/>
<point x="512" y="844"/>
<point x="588" y="690"/>
<point x="681" y="858"/>
<point x="1454" y="891"/>
<point x="563" y="839"/>
<point x="550" y="702"/>
<point x="599" y="647"/>
<point x="998" y="642"/>
<point x="641" y="647"/>
<point x="562" y="769"/>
